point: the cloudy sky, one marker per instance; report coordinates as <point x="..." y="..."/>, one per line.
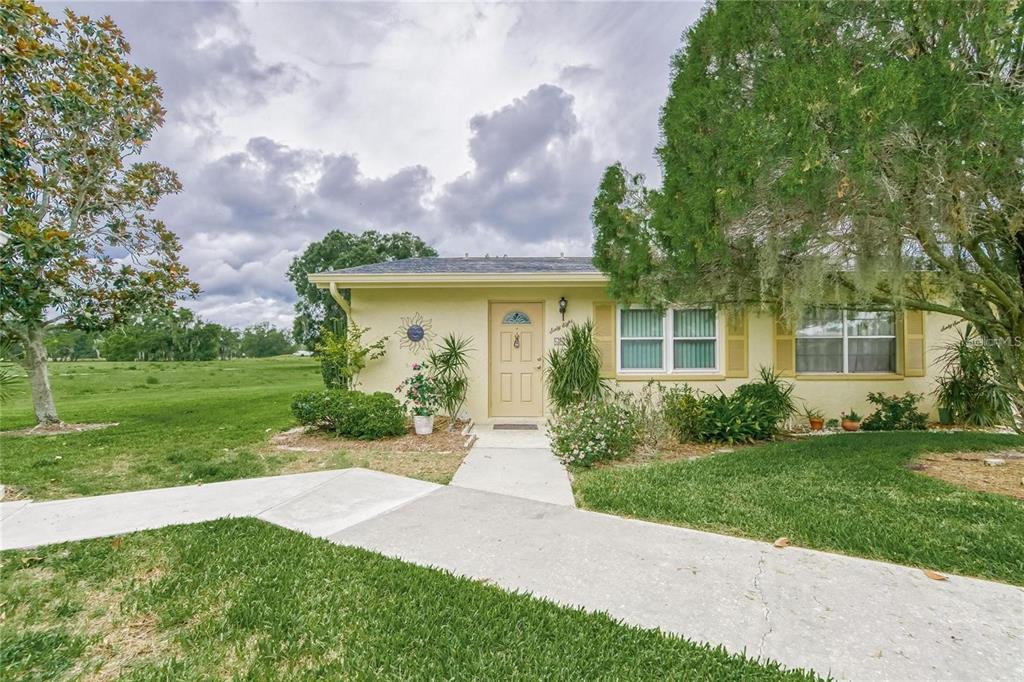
<point x="483" y="128"/>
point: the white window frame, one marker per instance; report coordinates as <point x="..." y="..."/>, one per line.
<point x="620" y="338"/>
<point x="846" y="343"/>
<point x="668" y="340"/>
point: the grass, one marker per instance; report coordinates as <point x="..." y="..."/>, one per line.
<point x="851" y="494"/>
<point x="215" y="601"/>
<point x="178" y="423"/>
<point x="199" y="421"/>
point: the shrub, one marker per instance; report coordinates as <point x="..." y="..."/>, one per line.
<point x="574" y="369"/>
<point x="309" y="407"/>
<point x="367" y="416"/>
<point x="969" y="384"/>
<point x="594" y="431"/>
<point x="333" y="357"/>
<point x="343" y="355"/>
<point x="737" y="419"/>
<point x="775" y="395"/>
<point x="754" y="411"/>
<point x="895" y="413"/>
<point x="649" y="411"/>
<point x="685" y="413"/>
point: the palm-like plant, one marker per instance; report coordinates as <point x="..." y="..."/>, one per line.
<point x="969" y="384"/>
<point x="449" y="364"/>
<point x="8" y="376"/>
<point x="574" y="369"/>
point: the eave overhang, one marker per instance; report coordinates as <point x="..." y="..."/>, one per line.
<point x="325" y="280"/>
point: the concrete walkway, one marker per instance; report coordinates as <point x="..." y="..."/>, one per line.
<point x="515" y="462"/>
<point x="316" y="503"/>
<point x="851" y="618"/>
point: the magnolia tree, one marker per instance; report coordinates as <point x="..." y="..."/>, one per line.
<point x="838" y="153"/>
<point x="81" y="249"/>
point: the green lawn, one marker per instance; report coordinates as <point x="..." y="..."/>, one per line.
<point x="215" y="601"/>
<point x="847" y="493"/>
<point x="179" y="423"/>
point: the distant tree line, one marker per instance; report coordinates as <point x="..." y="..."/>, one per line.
<point x="167" y="336"/>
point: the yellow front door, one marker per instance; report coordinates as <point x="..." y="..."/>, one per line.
<point x="516" y="358"/>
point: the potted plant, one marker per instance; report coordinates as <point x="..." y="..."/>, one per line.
<point x="832" y="424"/>
<point x="851" y="421"/>
<point x="945" y="415"/>
<point x="420" y="400"/>
<point x="815" y="418"/>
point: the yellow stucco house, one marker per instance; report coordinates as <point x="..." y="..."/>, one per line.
<point x="515" y="309"/>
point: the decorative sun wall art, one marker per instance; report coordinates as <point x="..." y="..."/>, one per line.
<point x="415" y="333"/>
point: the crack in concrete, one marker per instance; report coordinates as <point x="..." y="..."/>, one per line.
<point x="764" y="606"/>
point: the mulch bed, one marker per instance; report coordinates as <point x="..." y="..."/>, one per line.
<point x="430" y="458"/>
<point x="969" y="470"/>
<point x="58" y="429"/>
<point x="307" y="439"/>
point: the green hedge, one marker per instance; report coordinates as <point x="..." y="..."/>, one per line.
<point x="366" y="416"/>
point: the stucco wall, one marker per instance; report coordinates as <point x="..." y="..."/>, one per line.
<point x="833" y="394"/>
<point x="460" y="310"/>
<point x="465" y="311"/>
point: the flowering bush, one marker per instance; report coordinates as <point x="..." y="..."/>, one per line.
<point x="594" y="431"/>
<point x="419" y="392"/>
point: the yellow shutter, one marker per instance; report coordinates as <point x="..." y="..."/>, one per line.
<point x="604" y="336"/>
<point x="914" y="358"/>
<point x="785" y="349"/>
<point x="736" y="344"/>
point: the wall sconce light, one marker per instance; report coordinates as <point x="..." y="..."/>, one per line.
<point x="562" y="305"/>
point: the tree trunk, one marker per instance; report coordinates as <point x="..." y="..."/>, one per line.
<point x="38" y="377"/>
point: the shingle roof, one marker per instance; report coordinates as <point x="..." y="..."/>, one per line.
<point x="460" y="266"/>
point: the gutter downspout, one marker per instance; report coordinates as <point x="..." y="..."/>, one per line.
<point x="340" y="300"/>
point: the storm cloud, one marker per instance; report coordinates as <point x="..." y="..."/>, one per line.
<point x="481" y="128"/>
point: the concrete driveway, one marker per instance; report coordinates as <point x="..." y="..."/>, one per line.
<point x="841" y="616"/>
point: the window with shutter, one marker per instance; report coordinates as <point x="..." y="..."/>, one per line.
<point x="677" y="341"/>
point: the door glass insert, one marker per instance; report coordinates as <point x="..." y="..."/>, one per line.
<point x="516" y="317"/>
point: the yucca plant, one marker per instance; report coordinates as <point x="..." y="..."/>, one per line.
<point x="574" y="369"/>
<point x="8" y="375"/>
<point x="968" y="385"/>
<point x="449" y="364"/>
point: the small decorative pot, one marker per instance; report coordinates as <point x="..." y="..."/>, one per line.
<point x="424" y="425"/>
<point x="945" y="416"/>
<point x="850" y="425"/>
<point x="817" y="424"/>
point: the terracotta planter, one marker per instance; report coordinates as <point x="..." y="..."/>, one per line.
<point x="424" y="425"/>
<point x="849" y="425"/>
<point x="817" y="424"/>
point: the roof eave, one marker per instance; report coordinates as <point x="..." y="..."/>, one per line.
<point x="323" y="280"/>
